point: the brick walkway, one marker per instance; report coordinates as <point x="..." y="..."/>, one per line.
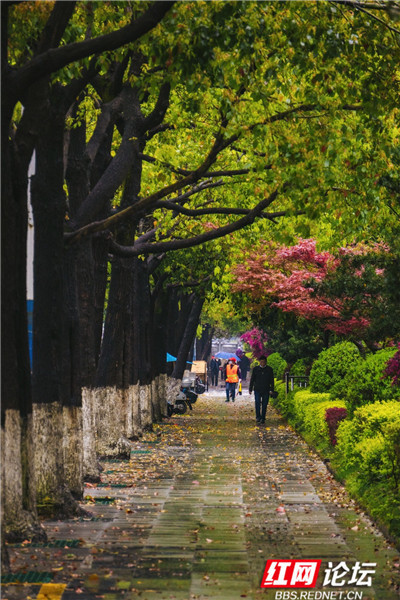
<point x="200" y="520"/>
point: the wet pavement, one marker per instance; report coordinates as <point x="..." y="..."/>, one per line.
<point x="205" y="500"/>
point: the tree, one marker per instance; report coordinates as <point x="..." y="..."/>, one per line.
<point x="344" y="293"/>
<point x="366" y="283"/>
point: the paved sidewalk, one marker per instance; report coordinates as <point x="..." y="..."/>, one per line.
<point x="211" y="497"/>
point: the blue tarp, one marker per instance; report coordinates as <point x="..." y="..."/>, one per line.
<point x="171" y="358"/>
<point x="227" y="355"/>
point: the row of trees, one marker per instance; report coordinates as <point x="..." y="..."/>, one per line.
<point x="159" y="127"/>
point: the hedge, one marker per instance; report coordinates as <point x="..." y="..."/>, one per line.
<point x="307" y="413"/>
<point x="299" y="368"/>
<point x="367" y="457"/>
<point x="366" y="382"/>
<point x="278" y="364"/>
<point x="331" y="367"/>
<point x="364" y="450"/>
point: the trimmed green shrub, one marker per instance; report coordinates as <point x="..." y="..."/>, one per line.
<point x="307" y="412"/>
<point x="280" y="389"/>
<point x="368" y="421"/>
<point x="367" y="453"/>
<point x="315" y="424"/>
<point x="331" y="367"/>
<point x="303" y="398"/>
<point x="278" y="364"/>
<point x="299" y="368"/>
<point x="366" y="383"/>
<point x="368" y="457"/>
<point x="283" y="403"/>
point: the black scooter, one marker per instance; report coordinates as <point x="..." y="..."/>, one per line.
<point x="185" y="398"/>
<point x="182" y="401"/>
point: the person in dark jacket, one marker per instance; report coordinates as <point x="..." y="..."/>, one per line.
<point x="244" y="366"/>
<point x="262" y="382"/>
<point x="214" y="368"/>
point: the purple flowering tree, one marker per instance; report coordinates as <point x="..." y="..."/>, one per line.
<point x="257" y="339"/>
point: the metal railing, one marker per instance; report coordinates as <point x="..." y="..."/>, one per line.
<point x="292" y="380"/>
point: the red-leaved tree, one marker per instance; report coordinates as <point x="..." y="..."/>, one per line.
<point x="285" y="277"/>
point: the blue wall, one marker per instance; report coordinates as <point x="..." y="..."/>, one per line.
<point x="29" y="306"/>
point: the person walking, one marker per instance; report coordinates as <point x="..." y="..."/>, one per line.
<point x="233" y="376"/>
<point x="262" y="382"/>
<point x="244" y="366"/>
<point x="214" y="368"/>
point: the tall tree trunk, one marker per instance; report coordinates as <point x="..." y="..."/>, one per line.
<point x="159" y="346"/>
<point x="71" y="379"/>
<point x="109" y="393"/>
<point x="18" y="485"/>
<point x="92" y="279"/>
<point x="179" y="307"/>
<point x="188" y="337"/>
<point x="48" y="203"/>
<point x="143" y="333"/>
<point x="203" y="345"/>
<point x="88" y="269"/>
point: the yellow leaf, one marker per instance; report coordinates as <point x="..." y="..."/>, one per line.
<point x="51" y="591"/>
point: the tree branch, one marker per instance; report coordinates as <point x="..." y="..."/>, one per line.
<point x="57" y="58"/>
<point x="156" y="117"/>
<point x="145" y="203"/>
<point x="149" y="202"/>
<point x="204" y="185"/>
<point x="55" y="26"/>
<point x="135" y="126"/>
<point x="195" y="283"/>
<point x="196" y="212"/>
<point x="370" y="5"/>
<point x="226" y="173"/>
<point x="231" y="173"/>
<point x="159" y="129"/>
<point x="108" y="112"/>
<point x="361" y="6"/>
<point x="142" y="249"/>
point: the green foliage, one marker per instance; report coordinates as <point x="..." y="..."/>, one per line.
<point x="290" y="335"/>
<point x="331" y="367"/>
<point x="315" y="425"/>
<point x="367" y="421"/>
<point x="278" y="364"/>
<point x="367" y="453"/>
<point x="299" y="368"/>
<point x="279" y="387"/>
<point x="309" y="415"/>
<point x="365" y="383"/>
<point x="368" y="457"/>
<point x="283" y="402"/>
<point x="306" y="412"/>
<point x="303" y="399"/>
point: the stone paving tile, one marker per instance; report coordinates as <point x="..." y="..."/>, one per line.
<point x="242" y="494"/>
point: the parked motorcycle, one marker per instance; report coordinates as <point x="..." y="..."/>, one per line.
<point x="186" y="397"/>
<point x="182" y="401"/>
<point x="199" y="386"/>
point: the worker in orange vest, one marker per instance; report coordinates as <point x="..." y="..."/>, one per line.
<point x="233" y="376"/>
